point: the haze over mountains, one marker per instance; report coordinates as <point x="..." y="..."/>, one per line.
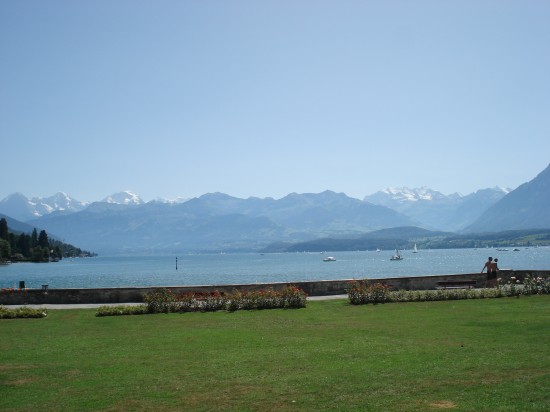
<point x="123" y="222"/>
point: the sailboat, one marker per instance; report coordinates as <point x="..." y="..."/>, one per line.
<point x="415" y="250"/>
<point x="396" y="256"/>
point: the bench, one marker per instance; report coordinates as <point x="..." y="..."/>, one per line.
<point x="447" y="284"/>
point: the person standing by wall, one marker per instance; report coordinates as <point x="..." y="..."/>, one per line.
<point x="489" y="266"/>
<point x="492" y="277"/>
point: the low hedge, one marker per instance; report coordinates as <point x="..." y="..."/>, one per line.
<point x="22" y="312"/>
<point x="121" y="310"/>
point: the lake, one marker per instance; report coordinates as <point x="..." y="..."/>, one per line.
<point x="242" y="268"/>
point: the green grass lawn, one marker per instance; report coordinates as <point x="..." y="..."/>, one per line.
<point x="471" y="355"/>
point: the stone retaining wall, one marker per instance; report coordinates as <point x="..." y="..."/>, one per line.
<point x="313" y="288"/>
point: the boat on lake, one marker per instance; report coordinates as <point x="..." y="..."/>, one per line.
<point x="396" y="256"/>
<point x="329" y="259"/>
<point x="415" y="250"/>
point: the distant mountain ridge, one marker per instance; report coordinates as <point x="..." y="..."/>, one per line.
<point x="527" y="207"/>
<point x="19" y="207"/>
<point x="216" y="221"/>
<point x="17" y="226"/>
<point x="403" y="195"/>
<point x="124" y="223"/>
<point x="23" y="209"/>
<point x="403" y="200"/>
<point x="436" y="210"/>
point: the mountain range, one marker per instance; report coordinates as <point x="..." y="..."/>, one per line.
<point x="527" y="207"/>
<point x="124" y="223"/>
<point x="216" y="221"/>
<point x="434" y="209"/>
<point x="19" y="207"/>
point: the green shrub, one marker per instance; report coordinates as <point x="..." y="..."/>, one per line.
<point x="121" y="310"/>
<point x="293" y="297"/>
<point x="361" y="292"/>
<point x="234" y="303"/>
<point x="192" y="301"/>
<point x="22" y="312"/>
<point x="290" y="297"/>
<point x="161" y="301"/>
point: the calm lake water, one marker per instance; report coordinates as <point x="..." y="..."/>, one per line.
<point x="218" y="269"/>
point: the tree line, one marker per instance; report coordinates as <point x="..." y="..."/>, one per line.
<point x="405" y="239"/>
<point x="34" y="247"/>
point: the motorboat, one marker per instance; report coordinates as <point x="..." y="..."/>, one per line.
<point x="329" y="259"/>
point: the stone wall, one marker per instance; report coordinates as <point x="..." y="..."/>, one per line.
<point x="314" y="288"/>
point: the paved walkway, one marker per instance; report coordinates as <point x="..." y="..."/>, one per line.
<point x="97" y="305"/>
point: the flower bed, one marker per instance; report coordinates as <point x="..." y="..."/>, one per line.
<point x="529" y="286"/>
<point x="362" y="292"/>
<point x="165" y="301"/>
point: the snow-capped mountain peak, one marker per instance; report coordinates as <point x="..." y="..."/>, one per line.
<point x="60" y="201"/>
<point x="504" y="190"/>
<point x="177" y="200"/>
<point x="448" y="212"/>
<point x="124" y="198"/>
<point x="22" y="208"/>
<point x="405" y="194"/>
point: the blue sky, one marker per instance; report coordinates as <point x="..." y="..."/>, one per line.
<point x="265" y="98"/>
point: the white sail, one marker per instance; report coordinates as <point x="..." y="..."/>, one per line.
<point x="397" y="256"/>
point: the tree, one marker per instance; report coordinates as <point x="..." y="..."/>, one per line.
<point x="24" y="244"/>
<point x="35" y="247"/>
<point x="5" y="251"/>
<point x="43" y="239"/>
<point x="58" y="253"/>
<point x="3" y="229"/>
<point x="39" y="254"/>
<point x="34" y="238"/>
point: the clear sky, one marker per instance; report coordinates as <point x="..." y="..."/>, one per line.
<point x="264" y="98"/>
